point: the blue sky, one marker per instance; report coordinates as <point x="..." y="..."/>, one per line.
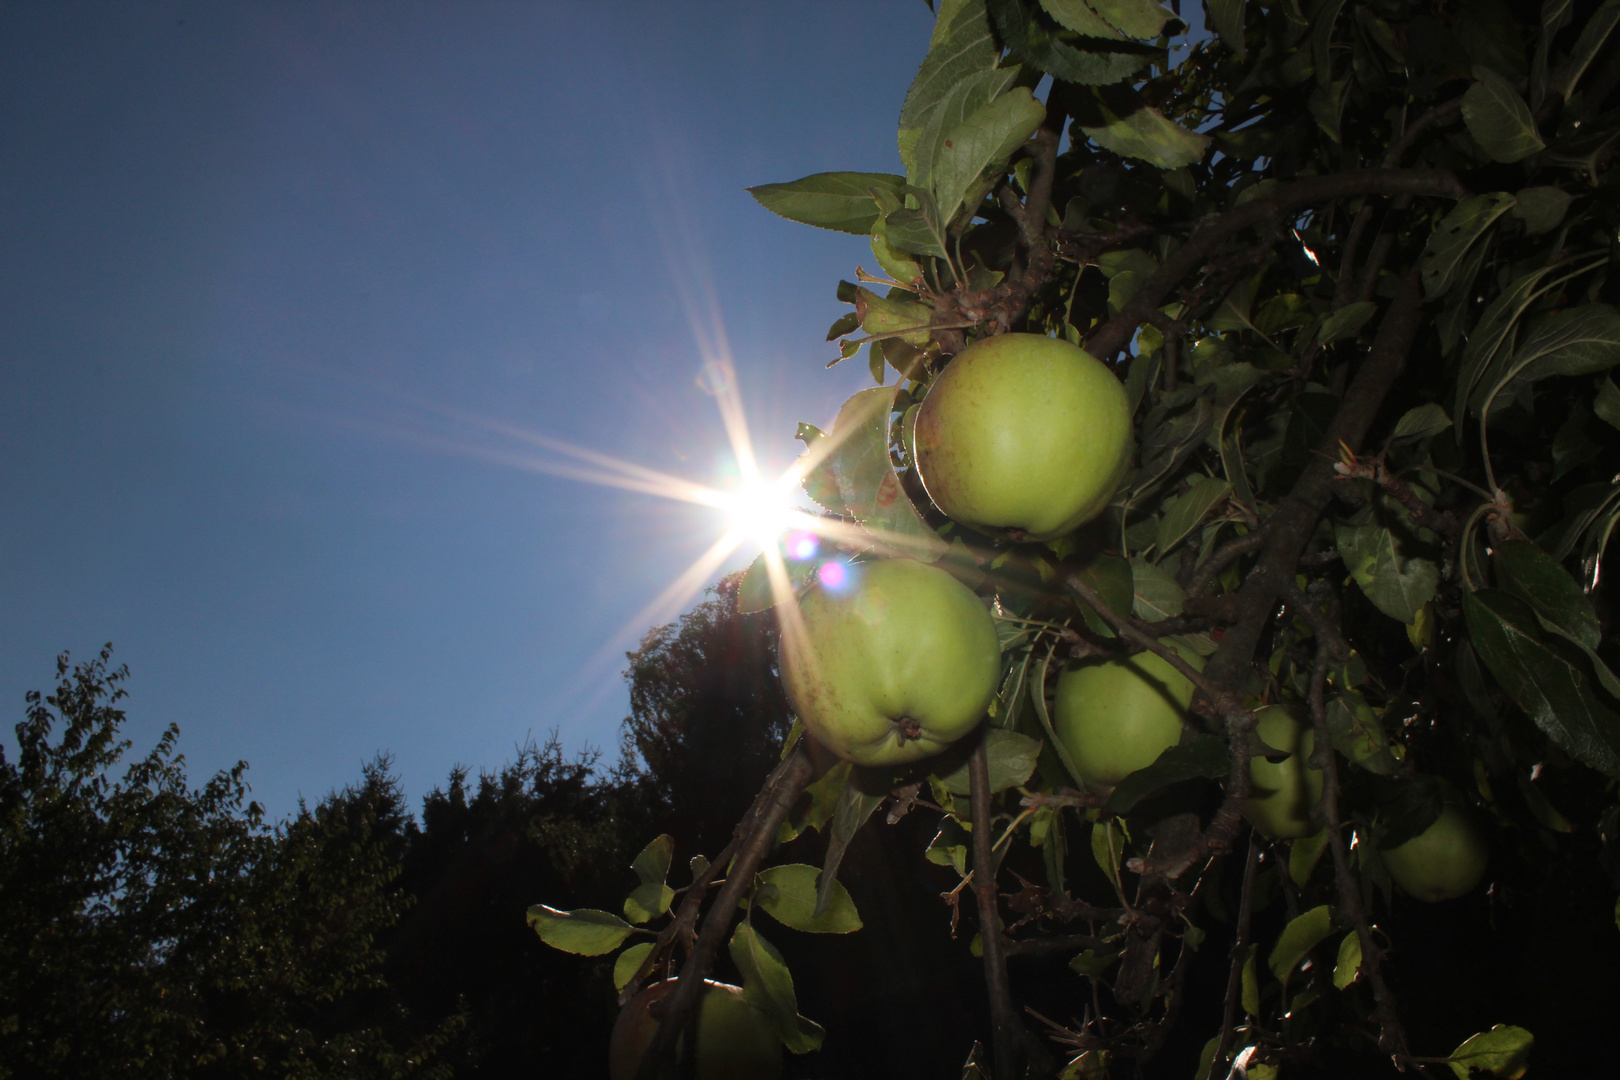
<point x="279" y="283"/>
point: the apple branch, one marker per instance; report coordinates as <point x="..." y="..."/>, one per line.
<point x="1116" y="333"/>
<point x="1004" y="1017"/>
<point x="1234" y="977"/>
<point x="1291" y="524"/>
<point x="1391" y="1037"/>
<point x="755" y="834"/>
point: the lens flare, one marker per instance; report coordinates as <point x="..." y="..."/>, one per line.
<point x="802" y="545"/>
<point x="834" y="575"/>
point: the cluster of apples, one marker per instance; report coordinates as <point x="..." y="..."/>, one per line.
<point x="1029" y="436"/>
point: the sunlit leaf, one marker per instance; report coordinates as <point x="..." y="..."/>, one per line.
<point x="768" y="986"/>
<point x="585" y="931"/>
<point x="652" y="897"/>
<point x="627" y="963"/>
<point x="1502" y="1051"/>
<point x="793" y="902"/>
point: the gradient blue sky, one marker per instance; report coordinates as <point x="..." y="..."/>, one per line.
<point x="274" y="275"/>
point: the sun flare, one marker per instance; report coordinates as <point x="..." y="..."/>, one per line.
<point x="763" y="511"/>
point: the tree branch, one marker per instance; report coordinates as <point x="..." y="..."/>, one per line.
<point x="1116" y="333"/>
<point x="1290" y="526"/>
<point x="756" y="833"/>
<point x="1004" y="1016"/>
<point x="1235" y="976"/>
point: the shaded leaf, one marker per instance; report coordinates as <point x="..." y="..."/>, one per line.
<point x="855" y="805"/>
<point x="1535" y="577"/>
<point x="1118" y="120"/>
<point x="1455" y="234"/>
<point x="1226" y="18"/>
<point x="867" y="483"/>
<point x="754" y="590"/>
<point x="1546" y="677"/>
<point x="585" y="931"/>
<point x="1541" y="208"/>
<point x="768" y="986"/>
<point x="1303" y="855"/>
<point x="982" y="142"/>
<point x="793" y="903"/>
<point x="1398" y="587"/>
<point x="1012" y="759"/>
<point x="1591" y="39"/>
<point x="1186" y="512"/>
<point x="841" y="201"/>
<point x="1079" y="16"/>
<point x="1498" y="118"/>
<point x="1201" y="755"/>
<point x="960" y="48"/>
<point x="1134" y="18"/>
<point x="1580" y="341"/>
<point x="1492" y="336"/>
<point x="1421" y="422"/>
<point x="1030" y="43"/>
<point x="1298" y="938"/>
<point x="1345" y="322"/>
<point x="1348" y="965"/>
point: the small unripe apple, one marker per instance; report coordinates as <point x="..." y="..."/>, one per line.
<point x="1445" y="860"/>
<point x="1283" y="794"/>
<point x="1026" y="432"/>
<point x="893" y="667"/>
<point x="1118" y="716"/>
<point x="734" y="1039"/>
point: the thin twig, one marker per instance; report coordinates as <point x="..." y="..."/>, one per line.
<point x="756" y="833"/>
<point x="1234" y="978"/>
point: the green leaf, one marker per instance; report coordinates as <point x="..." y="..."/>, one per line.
<point x="1492" y="336"/>
<point x="961" y="47"/>
<point x="652" y="897"/>
<point x="1079" y="16"/>
<point x="1184" y="513"/>
<point x="841" y="201"/>
<point x="1110" y="577"/>
<point x="962" y="101"/>
<point x="1091" y="963"/>
<point x="1157" y="594"/>
<point x="1200" y="755"/>
<point x="1117" y="119"/>
<point x="627" y="963"/>
<point x="1226" y="18"/>
<point x="1455" y="234"/>
<point x="768" y="986"/>
<point x="754" y="591"/>
<point x="1547" y="678"/>
<point x="1502" y="1051"/>
<point x="1251" y="982"/>
<point x="1345" y="322"/>
<point x="1303" y="855"/>
<point x="1348" y="965"/>
<point x="847" y="323"/>
<point x="890" y="314"/>
<point x="1541" y="208"/>
<point x="1580" y="341"/>
<point x="1012" y="759"/>
<point x="982" y="143"/>
<point x="1397" y="587"/>
<point x="1593" y="34"/>
<point x="1356" y="732"/>
<point x="1298" y="938"/>
<point x="1107" y="847"/>
<point x="1607" y="403"/>
<point x="1498" y="118"/>
<point x="585" y="931"/>
<point x="1535" y="577"/>
<point x="1421" y="422"/>
<point x="1030" y="43"/>
<point x="917" y="230"/>
<point x="793" y="903"/>
<point x="1134" y="18"/>
<point x="855" y="805"/>
<point x="867" y="483"/>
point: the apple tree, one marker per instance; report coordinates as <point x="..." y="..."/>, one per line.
<point x="1318" y="295"/>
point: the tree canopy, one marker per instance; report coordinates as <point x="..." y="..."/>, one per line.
<point x="1353" y="266"/>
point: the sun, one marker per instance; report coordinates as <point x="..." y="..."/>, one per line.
<point x="762" y="511"/>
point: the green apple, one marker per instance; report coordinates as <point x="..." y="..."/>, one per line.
<point x="1022" y="431"/>
<point x="734" y="1039"/>
<point x="1443" y="861"/>
<point x="894" y="666"/>
<point x="1283" y="794"/>
<point x="1117" y="716"/>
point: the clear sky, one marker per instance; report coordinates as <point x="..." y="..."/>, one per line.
<point x="282" y="287"/>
